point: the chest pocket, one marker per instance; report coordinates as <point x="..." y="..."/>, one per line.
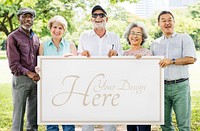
<point x="176" y="49"/>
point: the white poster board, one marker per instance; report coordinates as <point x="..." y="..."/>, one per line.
<point x="100" y="90"/>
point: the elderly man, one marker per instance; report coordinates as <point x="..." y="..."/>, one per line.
<point x="22" y="51"/>
<point x="179" y="52"/>
<point x="99" y="42"/>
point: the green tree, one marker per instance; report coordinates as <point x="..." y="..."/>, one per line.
<point x="194" y="11"/>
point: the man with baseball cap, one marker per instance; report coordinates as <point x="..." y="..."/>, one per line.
<point x="22" y="51"/>
<point x="99" y="42"/>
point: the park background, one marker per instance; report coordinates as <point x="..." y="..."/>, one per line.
<point x="77" y="14"/>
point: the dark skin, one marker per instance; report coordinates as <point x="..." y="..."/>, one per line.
<point x="26" y="22"/>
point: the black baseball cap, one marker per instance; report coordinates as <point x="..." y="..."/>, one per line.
<point x="98" y="7"/>
<point x="26" y="11"/>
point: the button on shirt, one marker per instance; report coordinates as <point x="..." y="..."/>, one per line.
<point x="97" y="46"/>
<point x="174" y="47"/>
<point x="22" y="51"/>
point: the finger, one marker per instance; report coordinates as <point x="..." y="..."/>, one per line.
<point x="110" y="53"/>
<point x="88" y="54"/>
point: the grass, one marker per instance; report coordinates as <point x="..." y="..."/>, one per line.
<point x="6" y="110"/>
<point x="5" y="107"/>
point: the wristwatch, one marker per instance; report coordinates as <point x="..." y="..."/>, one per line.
<point x="173" y="61"/>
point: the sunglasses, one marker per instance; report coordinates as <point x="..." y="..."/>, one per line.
<point x="101" y="15"/>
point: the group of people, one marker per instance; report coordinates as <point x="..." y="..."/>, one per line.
<point x="23" y="47"/>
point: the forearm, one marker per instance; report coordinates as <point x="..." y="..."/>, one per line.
<point x="184" y="61"/>
<point x="180" y="61"/>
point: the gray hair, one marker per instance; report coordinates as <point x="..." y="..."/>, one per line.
<point x="58" y="19"/>
<point x="136" y="24"/>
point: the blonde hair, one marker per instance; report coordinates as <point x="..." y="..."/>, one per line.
<point x="57" y="19"/>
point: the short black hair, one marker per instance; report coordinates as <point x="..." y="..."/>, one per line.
<point x="164" y="12"/>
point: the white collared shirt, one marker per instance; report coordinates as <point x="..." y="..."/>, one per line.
<point x="97" y="46"/>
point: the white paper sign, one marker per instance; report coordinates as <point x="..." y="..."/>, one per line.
<point x="99" y="90"/>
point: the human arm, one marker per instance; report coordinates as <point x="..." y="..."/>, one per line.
<point x="41" y="49"/>
<point x="85" y="53"/>
<point x="81" y="48"/>
<point x="187" y="52"/>
<point x="73" y="49"/>
<point x="112" y="53"/>
<point x="180" y="61"/>
<point x="13" y="54"/>
<point x="34" y="76"/>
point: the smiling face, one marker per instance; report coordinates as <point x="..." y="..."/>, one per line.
<point x="166" y="23"/>
<point x="26" y="21"/>
<point x="135" y="36"/>
<point x="99" y="19"/>
<point x="57" y="30"/>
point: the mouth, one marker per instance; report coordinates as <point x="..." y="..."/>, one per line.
<point x="98" y="21"/>
<point x="56" y="34"/>
<point x="134" y="39"/>
<point x="167" y="27"/>
<point x="28" y="24"/>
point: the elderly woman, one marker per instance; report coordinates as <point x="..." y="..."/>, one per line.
<point x="57" y="46"/>
<point x="136" y="35"/>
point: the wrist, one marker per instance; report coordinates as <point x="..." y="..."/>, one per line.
<point x="173" y="61"/>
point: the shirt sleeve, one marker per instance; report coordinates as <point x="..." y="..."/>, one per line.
<point x="119" y="47"/>
<point x="188" y="46"/>
<point x="80" y="45"/>
<point x="151" y="48"/>
<point x="13" y="55"/>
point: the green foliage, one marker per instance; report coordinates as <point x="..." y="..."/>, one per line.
<point x="116" y="1"/>
<point x="77" y="14"/>
<point x="195" y="10"/>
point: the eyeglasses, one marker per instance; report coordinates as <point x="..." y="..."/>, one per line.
<point x="101" y="15"/>
<point x="136" y="34"/>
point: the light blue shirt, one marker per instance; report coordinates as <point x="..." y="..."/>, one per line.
<point x="177" y="46"/>
<point x="51" y="50"/>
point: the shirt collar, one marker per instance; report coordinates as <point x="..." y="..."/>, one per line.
<point x="23" y="31"/>
<point x="172" y="36"/>
<point x="51" y="42"/>
<point x="92" y="33"/>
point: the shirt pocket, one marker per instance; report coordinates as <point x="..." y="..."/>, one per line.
<point x="24" y="48"/>
<point x="176" y="50"/>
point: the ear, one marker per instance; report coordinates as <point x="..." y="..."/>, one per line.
<point x="106" y="19"/>
<point x="159" y="24"/>
<point x="18" y="17"/>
